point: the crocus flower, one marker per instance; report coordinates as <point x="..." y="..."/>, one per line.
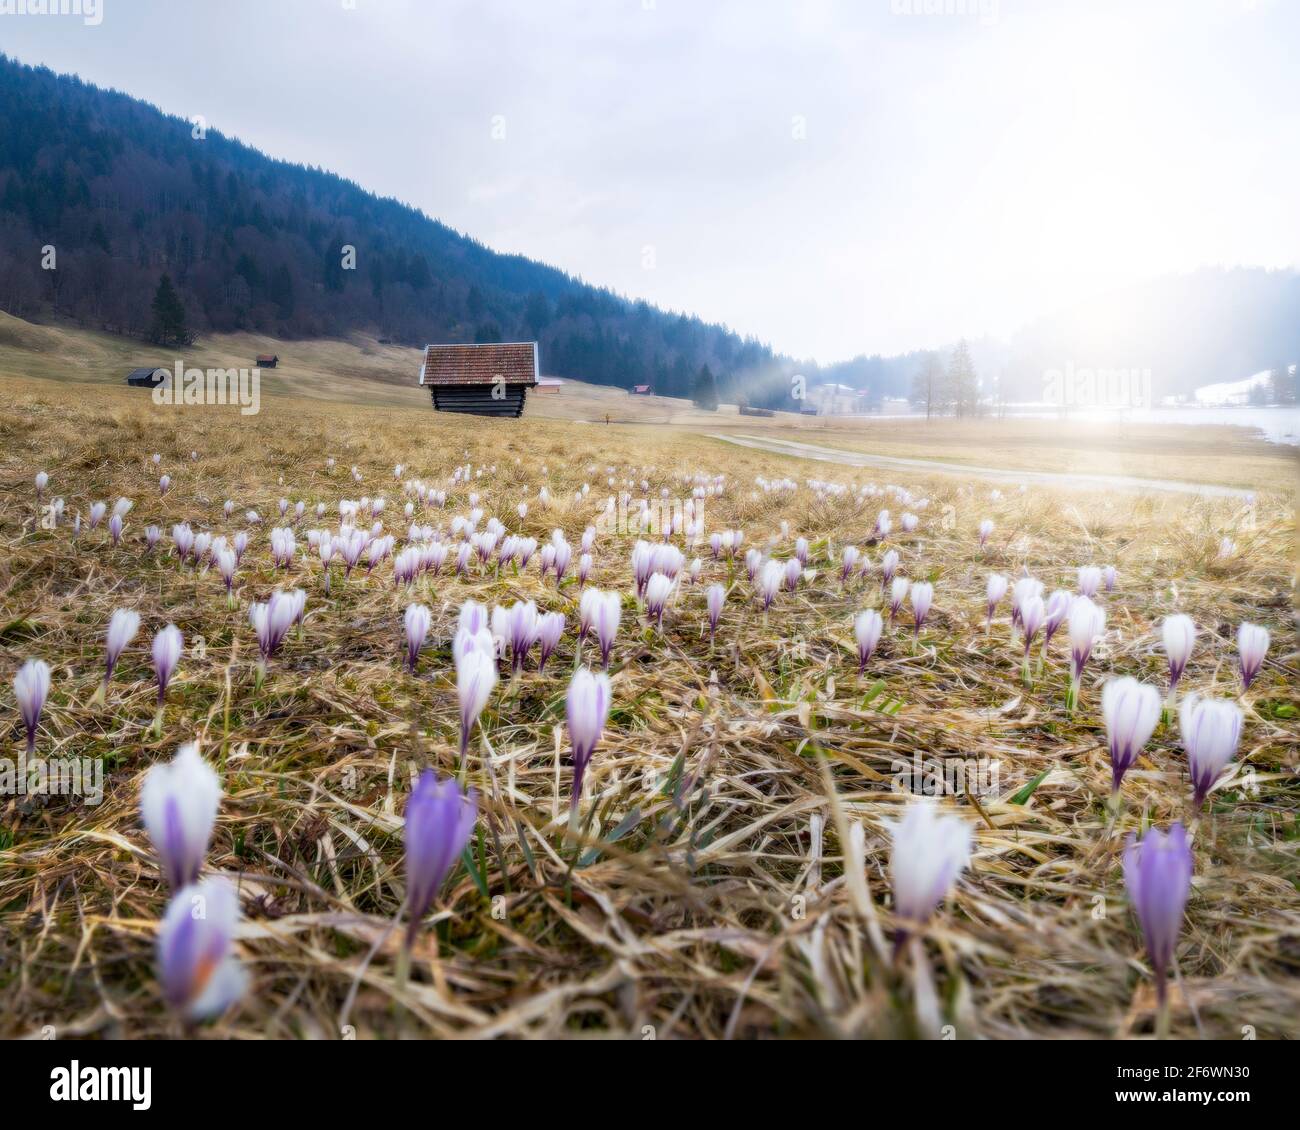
<point x="1158" y="875"/>
<point x="801" y="551"/>
<point x="1032" y="614"/>
<point x="922" y="594"/>
<point x="476" y="675"/>
<point x="115" y="529"/>
<point x="898" y="590"/>
<point x="152" y="535"/>
<point x="867" y="626"/>
<point x="439" y="821"/>
<point x="888" y="566"/>
<point x="793" y="573"/>
<point x="930" y="850"/>
<point x="586" y="707"/>
<point x="769" y="582"/>
<point x="995" y="590"/>
<point x="657" y="591"/>
<point x="1211" y="729"/>
<point x="520" y="631"/>
<point x="1130" y="710"/>
<point x="1089" y="580"/>
<point x="1109" y="575"/>
<point x="415" y="624"/>
<point x="848" y="561"/>
<point x="1087" y="622"/>
<point x="1058" y="608"/>
<point x="550" y="627"/>
<point x="164" y="484"/>
<point x="200" y="975"/>
<point x="42" y="481"/>
<point x="986" y="529"/>
<point x="714" y="599"/>
<point x="97" y="511"/>
<point x="606" y="614"/>
<point x="31" y="689"/>
<point x="166" y="654"/>
<point x="753" y="562"/>
<point x="122" y="627"/>
<point x="1178" y="634"/>
<point x="1252" y="646"/>
<point x="271" y="623"/>
<point x="226" y="562"/>
<point x="178" y="806"/>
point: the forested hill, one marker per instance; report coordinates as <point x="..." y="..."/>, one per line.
<point x="125" y="194"/>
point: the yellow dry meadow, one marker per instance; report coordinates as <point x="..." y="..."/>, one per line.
<point x="720" y="888"/>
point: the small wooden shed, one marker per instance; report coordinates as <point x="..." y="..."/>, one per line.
<point x="641" y="390"/>
<point x="484" y="380"/>
<point x="147" y="377"/>
<point x="267" y="360"/>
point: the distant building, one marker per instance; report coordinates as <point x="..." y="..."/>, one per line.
<point x="491" y="379"/>
<point x="147" y="378"/>
<point x="267" y="360"/>
<point x="836" y="400"/>
<point x="642" y="390"/>
<point x="549" y="384"/>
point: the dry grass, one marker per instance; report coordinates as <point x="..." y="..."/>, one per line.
<point x="711" y="896"/>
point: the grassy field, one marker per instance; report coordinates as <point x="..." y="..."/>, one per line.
<point x="719" y="888"/>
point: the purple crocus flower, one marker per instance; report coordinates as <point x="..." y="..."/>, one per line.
<point x="31" y="689"/>
<point x="476" y="676"/>
<point x="166" y="651"/>
<point x="178" y="806"/>
<point x="922" y="594"/>
<point x="122" y="627"/>
<point x="415" y="625"/>
<point x="867" y="627"/>
<point x="715" y="598"/>
<point x="550" y="627"/>
<point x="200" y="975"/>
<point x="587" y="708"/>
<point x="1178" y="634"/>
<point x="994" y="591"/>
<point x="1211" y="729"/>
<point x="439" y="822"/>
<point x="1131" y="711"/>
<point x="1158" y="875"/>
<point x="1058" y="608"/>
<point x="1252" y="646"/>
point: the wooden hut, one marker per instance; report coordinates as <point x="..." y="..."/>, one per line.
<point x="484" y="380"/>
<point x="267" y="360"/>
<point x="641" y="390"/>
<point x="147" y="377"/>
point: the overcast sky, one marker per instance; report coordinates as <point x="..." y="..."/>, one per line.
<point x="832" y="176"/>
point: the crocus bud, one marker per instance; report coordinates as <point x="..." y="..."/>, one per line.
<point x="1087" y="622"/>
<point x="31" y="689"/>
<point x="848" y="561"/>
<point x="769" y="582"/>
<point x="586" y="707"/>
<point x="178" y="806"/>
<point x="122" y="627"/>
<point x="995" y="590"/>
<point x="1158" y="875"/>
<point x="888" y="566"/>
<point x="1252" y="647"/>
<point x="898" y="590"/>
<point x="200" y="975"/>
<point x="1058" y="608"/>
<point x="1178" y="634"/>
<point x="1130" y="710"/>
<point x="986" y="529"/>
<point x="42" y="481"/>
<point x="922" y="594"/>
<point x="607" y="612"/>
<point x="439" y="821"/>
<point x="930" y="850"/>
<point x="867" y="627"/>
<point x="714" y="599"/>
<point x="1211" y="729"/>
<point x="1089" y="580"/>
<point x="476" y="675"/>
<point x="550" y="627"/>
<point x="415" y="624"/>
<point x="166" y="650"/>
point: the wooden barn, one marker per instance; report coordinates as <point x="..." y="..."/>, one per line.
<point x="147" y="378"/>
<point x="641" y="390"/>
<point x="484" y="380"/>
<point x="267" y="360"/>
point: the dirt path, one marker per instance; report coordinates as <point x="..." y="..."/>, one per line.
<point x="994" y="474"/>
